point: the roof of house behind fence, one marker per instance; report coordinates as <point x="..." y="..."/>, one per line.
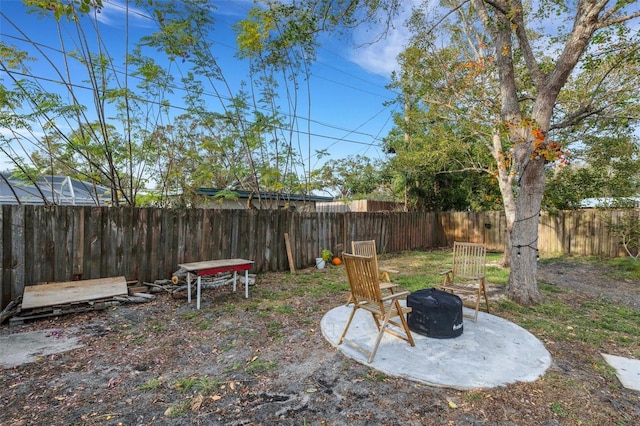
<point x="241" y="194"/>
<point x="55" y="190"/>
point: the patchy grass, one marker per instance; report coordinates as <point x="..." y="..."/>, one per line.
<point x="254" y="361"/>
<point x="151" y="384"/>
<point x="177" y="409"/>
<point x="596" y="323"/>
<point x="419" y="270"/>
<point x="624" y="268"/>
<point x="284" y="309"/>
<point x="274" y="329"/>
<point x="619" y="268"/>
<point x="257" y="365"/>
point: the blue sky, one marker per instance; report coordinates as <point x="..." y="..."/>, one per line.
<point x="347" y="82"/>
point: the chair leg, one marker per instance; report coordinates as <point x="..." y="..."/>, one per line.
<point x="482" y="292"/>
<point x="344" y="332"/>
<point x="350" y="299"/>
<point x="376" y="320"/>
<point x="405" y="325"/>
<point x="477" y="307"/>
<point x="378" y="339"/>
<point x="486" y="299"/>
<point x="448" y="280"/>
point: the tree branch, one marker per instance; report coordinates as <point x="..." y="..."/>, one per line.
<point x="527" y="52"/>
<point x="606" y="22"/>
<point x="576" y="117"/>
<point x="446" y="15"/>
<point x="587" y="109"/>
<point x="464" y="169"/>
<point x="579" y="38"/>
<point x="501" y="33"/>
<point x="499" y="6"/>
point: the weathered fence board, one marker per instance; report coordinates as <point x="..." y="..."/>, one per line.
<point x="5" y="290"/>
<point x="47" y="244"/>
<point x="17" y="249"/>
<point x="9" y="287"/>
<point x="77" y="243"/>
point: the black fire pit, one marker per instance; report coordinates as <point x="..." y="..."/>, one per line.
<point x="435" y="313"/>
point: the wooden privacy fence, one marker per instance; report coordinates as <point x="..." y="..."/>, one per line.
<point x="63" y="243"/>
<point x="582" y="232"/>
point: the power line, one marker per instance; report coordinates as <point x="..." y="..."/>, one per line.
<point x="339" y="83"/>
<point x="320" y="62"/>
<point x="376" y="139"/>
<point x="176" y="87"/>
<point x="185" y="109"/>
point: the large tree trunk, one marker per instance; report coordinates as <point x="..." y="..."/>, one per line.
<point x="505" y="182"/>
<point x="505" y="21"/>
<point x="506" y="257"/>
<point x="523" y="286"/>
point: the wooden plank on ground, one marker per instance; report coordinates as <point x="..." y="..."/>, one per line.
<point x="52" y="294"/>
<point x="292" y="265"/>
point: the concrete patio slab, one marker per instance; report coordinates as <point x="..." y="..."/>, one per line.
<point x="492" y="352"/>
<point x="627" y="370"/>
<point x="23" y="348"/>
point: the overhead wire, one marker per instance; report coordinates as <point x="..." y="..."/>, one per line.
<point x="177" y="87"/>
<point x="375" y="139"/>
<point x="352" y="87"/>
<point x="185" y="109"/>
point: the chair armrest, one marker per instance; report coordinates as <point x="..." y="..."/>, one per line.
<point x="385" y="285"/>
<point x="446" y="272"/>
<point x="391" y="271"/>
<point x="395" y="296"/>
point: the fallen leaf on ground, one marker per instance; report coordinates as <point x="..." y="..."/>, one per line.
<point x="196" y="402"/>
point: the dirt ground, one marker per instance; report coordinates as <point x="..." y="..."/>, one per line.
<point x="265" y="362"/>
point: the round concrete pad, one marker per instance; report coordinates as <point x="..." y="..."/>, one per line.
<point x="492" y="352"/>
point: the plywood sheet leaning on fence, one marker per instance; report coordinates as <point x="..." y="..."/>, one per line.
<point x="61" y="293"/>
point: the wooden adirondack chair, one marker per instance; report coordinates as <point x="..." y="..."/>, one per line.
<point x="368" y="248"/>
<point x="467" y="276"/>
<point x="362" y="274"/>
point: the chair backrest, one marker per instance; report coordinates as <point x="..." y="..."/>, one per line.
<point x="469" y="260"/>
<point x="362" y="275"/>
<point x="365" y="248"/>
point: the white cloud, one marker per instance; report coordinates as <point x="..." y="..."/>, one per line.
<point x="236" y="8"/>
<point x="380" y="56"/>
<point x="114" y="11"/>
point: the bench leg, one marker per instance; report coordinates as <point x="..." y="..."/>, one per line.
<point x="198" y="292"/>
<point x="188" y="287"/>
